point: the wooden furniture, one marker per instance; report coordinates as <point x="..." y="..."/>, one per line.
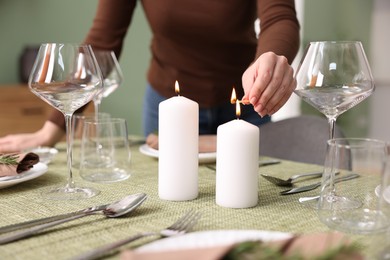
<point x="21" y="111"/>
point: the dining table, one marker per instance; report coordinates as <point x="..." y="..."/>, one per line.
<point x="274" y="212"/>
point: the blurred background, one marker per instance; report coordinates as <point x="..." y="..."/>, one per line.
<point x="24" y="24"/>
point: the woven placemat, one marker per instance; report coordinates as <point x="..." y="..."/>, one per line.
<point x="24" y="202"/>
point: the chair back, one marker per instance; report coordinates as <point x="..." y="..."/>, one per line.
<point x="301" y="139"/>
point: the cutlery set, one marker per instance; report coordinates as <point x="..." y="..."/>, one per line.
<point x="180" y="227"/>
<point x="116" y="209"/>
<point x="113" y="210"/>
<point x="290" y="181"/>
<point x="318" y="184"/>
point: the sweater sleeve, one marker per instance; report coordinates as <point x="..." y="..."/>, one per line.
<point x="279" y="28"/>
<point x="110" y="24"/>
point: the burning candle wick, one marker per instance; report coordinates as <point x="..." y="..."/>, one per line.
<point x="177" y="88"/>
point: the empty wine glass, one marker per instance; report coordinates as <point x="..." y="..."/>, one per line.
<point x="66" y="76"/>
<point x="112" y="75"/>
<point x="334" y="77"/>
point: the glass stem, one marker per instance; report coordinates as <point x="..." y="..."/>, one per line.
<point x="96" y="103"/>
<point x="332" y="123"/>
<point x="69" y="141"/>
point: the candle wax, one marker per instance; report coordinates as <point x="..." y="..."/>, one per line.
<point x="178" y="138"/>
<point x="237" y="164"/>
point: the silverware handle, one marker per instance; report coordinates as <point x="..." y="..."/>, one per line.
<point x="103" y="250"/>
<point x="268" y="162"/>
<point x="4" y="239"/>
<point x="306" y="175"/>
<point x="346" y="177"/>
<point x="35" y="222"/>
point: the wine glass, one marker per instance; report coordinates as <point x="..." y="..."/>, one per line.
<point x="66" y="76"/>
<point x="334" y="77"/>
<point x="111" y="72"/>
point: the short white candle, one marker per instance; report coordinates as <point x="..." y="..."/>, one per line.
<point x="178" y="138"/>
<point x="237" y="164"/>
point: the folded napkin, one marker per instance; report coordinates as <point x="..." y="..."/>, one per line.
<point x="13" y="164"/>
<point x="310" y="246"/>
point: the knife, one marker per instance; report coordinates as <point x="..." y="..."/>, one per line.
<point x="318" y="184"/>
<point x="261" y="163"/>
<point x="41" y="221"/>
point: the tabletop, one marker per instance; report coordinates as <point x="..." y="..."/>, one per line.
<point x="24" y="202"/>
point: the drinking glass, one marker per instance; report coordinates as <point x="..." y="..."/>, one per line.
<point x="78" y="121"/>
<point x="334" y="77"/>
<point x="111" y="72"/>
<point x="105" y="150"/>
<point x="358" y="205"/>
<point x="66" y="76"/>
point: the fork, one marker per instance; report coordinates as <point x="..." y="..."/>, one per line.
<point x="289" y="182"/>
<point x="180" y="227"/>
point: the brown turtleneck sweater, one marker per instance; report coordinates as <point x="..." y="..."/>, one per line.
<point x="204" y="45"/>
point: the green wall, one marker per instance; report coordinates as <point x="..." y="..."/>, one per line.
<point x="341" y="20"/>
<point x="30" y="22"/>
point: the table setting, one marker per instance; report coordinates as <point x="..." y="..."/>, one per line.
<point x="171" y="203"/>
<point x="275" y="214"/>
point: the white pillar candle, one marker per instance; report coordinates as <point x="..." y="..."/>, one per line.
<point x="178" y="138"/>
<point x="237" y="164"/>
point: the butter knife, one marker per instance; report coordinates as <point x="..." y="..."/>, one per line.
<point x="261" y="163"/>
<point x="40" y="221"/>
<point x="318" y="184"/>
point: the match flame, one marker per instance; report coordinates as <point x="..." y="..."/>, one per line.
<point x="233" y="99"/>
<point x="177" y="88"/>
<point x="238" y="109"/>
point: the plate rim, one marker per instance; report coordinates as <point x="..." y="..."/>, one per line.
<point x="151" y="247"/>
<point x="149" y="151"/>
<point x="38" y="170"/>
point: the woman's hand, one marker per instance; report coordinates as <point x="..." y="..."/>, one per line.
<point x="48" y="135"/>
<point x="268" y="83"/>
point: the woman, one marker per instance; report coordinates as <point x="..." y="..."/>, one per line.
<point x="208" y="47"/>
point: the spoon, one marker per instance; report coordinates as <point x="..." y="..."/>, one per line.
<point x="289" y="182"/>
<point x="113" y="210"/>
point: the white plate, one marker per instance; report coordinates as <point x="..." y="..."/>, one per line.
<point x="211" y="238"/>
<point x="203" y="157"/>
<point x="36" y="171"/>
<point x="46" y="154"/>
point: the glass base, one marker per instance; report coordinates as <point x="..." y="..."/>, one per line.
<point x="70" y="193"/>
<point x="310" y="202"/>
<point x="347" y="215"/>
<point x="330" y="202"/>
<point x="114" y="175"/>
<point x="356" y="221"/>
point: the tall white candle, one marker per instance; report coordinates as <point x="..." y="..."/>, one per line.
<point x="178" y="137"/>
<point x="237" y="164"/>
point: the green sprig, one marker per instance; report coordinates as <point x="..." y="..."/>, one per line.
<point x="257" y="250"/>
<point x="9" y="159"/>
